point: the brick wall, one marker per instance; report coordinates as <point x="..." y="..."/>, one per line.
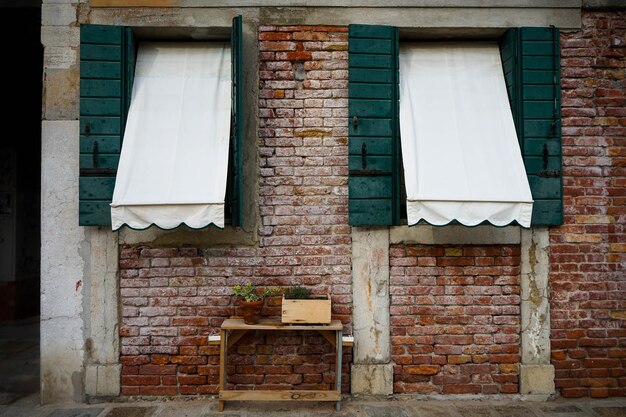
<point x="455" y="318"/>
<point x="455" y="309"/>
<point x="173" y="298"/>
<point x="588" y="253"/>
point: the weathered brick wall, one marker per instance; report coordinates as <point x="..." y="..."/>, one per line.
<point x="455" y="318"/>
<point x="173" y="298"/>
<point x="455" y="310"/>
<point x="588" y="253"/>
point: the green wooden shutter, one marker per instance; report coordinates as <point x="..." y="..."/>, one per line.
<point x="235" y="178"/>
<point x="374" y="146"/>
<point x="531" y="63"/>
<point x="106" y="72"/>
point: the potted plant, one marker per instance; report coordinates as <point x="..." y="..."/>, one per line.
<point x="301" y="307"/>
<point x="252" y="299"/>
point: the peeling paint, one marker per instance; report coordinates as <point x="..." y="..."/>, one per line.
<point x="534" y="305"/>
<point x="535" y="297"/>
<point x="370" y="269"/>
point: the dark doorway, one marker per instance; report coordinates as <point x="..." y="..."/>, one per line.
<point x="20" y="162"/>
<point x="20" y="190"/>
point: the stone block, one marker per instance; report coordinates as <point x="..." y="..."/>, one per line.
<point x="59" y="57"/>
<point x="60" y="14"/>
<point x="91" y="380"/>
<point x="60" y="36"/>
<point x="103" y="380"/>
<point x="372" y="379"/>
<point x="536" y="380"/>
<point x="61" y="92"/>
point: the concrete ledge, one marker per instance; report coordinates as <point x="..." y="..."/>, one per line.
<point x="537" y="381"/>
<point x="205" y="237"/>
<point x="372" y="379"/>
<point x="344" y="3"/>
<point x="456" y="235"/>
<point x="402" y="17"/>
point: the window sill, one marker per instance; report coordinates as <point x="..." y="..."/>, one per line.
<point x="455" y="234"/>
<point x="210" y="236"/>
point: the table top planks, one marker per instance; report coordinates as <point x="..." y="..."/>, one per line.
<point x="273" y="324"/>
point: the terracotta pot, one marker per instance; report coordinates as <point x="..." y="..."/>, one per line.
<point x="251" y="311"/>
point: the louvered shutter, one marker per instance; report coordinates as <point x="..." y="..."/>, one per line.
<point x="374" y="149"/>
<point x="107" y="57"/>
<point x="235" y="177"/>
<point x="531" y="62"/>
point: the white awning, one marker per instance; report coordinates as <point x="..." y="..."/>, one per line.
<point x="174" y="159"/>
<point x="460" y="152"/>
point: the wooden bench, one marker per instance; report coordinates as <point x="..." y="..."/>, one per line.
<point x="233" y="330"/>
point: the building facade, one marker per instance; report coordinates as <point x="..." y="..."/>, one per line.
<point x="433" y="310"/>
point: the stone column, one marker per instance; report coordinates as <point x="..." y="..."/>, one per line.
<point x="102" y="344"/>
<point x="536" y="372"/>
<point x="372" y="370"/>
<point x="79" y="303"/>
<point x="61" y="266"/>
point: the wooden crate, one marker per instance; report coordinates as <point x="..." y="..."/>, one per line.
<point x="313" y="311"/>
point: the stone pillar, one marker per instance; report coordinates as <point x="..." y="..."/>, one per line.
<point x="536" y="372"/>
<point x="79" y="303"/>
<point x="62" y="331"/>
<point x="372" y="370"/>
<point x="102" y="370"/>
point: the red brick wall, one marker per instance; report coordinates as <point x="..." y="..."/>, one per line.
<point x="588" y="253"/>
<point x="455" y="310"/>
<point x="455" y="318"/>
<point x="173" y="298"/>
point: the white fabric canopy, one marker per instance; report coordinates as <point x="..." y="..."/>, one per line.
<point x="174" y="159"/>
<point x="461" y="157"/>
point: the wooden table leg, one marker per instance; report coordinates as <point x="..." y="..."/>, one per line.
<point x="338" y="349"/>
<point x="223" y="352"/>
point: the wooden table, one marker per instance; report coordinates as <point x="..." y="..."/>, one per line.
<point x="234" y="329"/>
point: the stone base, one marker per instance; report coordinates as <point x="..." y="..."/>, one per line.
<point x="536" y="380"/>
<point x="103" y="380"/>
<point x="372" y="379"/>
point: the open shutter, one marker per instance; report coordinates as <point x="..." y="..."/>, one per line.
<point x="531" y="62"/>
<point x="106" y="69"/>
<point x="374" y="146"/>
<point x="235" y="177"/>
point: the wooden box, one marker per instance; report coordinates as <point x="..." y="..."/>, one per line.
<point x="310" y="311"/>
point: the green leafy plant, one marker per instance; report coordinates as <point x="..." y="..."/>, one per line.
<point x="297" y="293"/>
<point x="250" y="293"/>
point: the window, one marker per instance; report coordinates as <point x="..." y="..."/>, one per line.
<point x="531" y="66"/>
<point x="107" y="69"/>
<point x="462" y="162"/>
